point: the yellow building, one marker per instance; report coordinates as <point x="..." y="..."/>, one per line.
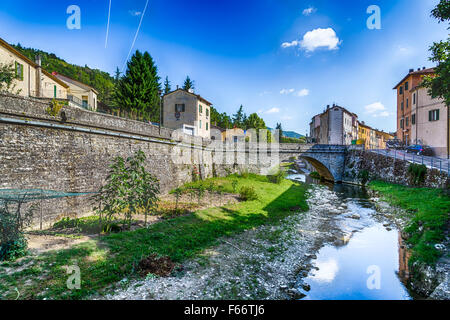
<point x="31" y="79"/>
<point x="364" y="134"/>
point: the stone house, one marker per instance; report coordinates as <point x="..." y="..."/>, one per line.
<point x="78" y="93"/>
<point x="187" y="111"/>
<point x="31" y="79"/>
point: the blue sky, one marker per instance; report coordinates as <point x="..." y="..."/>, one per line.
<point x="285" y="59"/>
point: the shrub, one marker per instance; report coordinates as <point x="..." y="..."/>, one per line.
<point x="234" y="184"/>
<point x="248" y="194"/>
<point x="363" y="176"/>
<point x="417" y="172"/>
<point x="277" y="177"/>
<point x="12" y="225"/>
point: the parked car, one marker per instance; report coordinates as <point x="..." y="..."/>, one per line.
<point x="420" y="150"/>
<point x="394" y="144"/>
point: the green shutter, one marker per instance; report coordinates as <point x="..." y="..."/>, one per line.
<point x="437" y="115"/>
<point x="54" y="91"/>
<point x="21" y="72"/>
<point x="429" y="115"/>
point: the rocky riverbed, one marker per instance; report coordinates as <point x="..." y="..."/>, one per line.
<point x="262" y="263"/>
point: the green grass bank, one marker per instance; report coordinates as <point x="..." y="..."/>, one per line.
<point x="108" y="259"/>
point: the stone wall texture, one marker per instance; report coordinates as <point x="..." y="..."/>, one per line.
<point x="35" y="155"/>
<point x="388" y="169"/>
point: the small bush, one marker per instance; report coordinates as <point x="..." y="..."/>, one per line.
<point x="248" y="194"/>
<point x="417" y="172"/>
<point x="363" y="176"/>
<point x="13" y="249"/>
<point x="277" y="177"/>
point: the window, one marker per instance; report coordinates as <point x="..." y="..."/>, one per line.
<point x="414" y="98"/>
<point x="433" y="115"/>
<point x="413" y="119"/>
<point x="407" y="121"/>
<point x="179" y="107"/>
<point x="19" y="71"/>
<point x="200" y="124"/>
<point x="200" y="108"/>
<point x="402" y="106"/>
<point x="401" y="123"/>
<point x="406" y="86"/>
<point x="401" y="90"/>
<point x="207" y="126"/>
<point x="207" y="112"/>
<point x="407" y="103"/>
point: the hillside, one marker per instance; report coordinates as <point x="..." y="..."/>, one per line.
<point x="100" y="80"/>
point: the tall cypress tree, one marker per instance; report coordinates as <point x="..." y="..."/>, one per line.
<point x="167" y="87"/>
<point x="138" y="91"/>
<point x="188" y="84"/>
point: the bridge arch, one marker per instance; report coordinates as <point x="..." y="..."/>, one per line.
<point x="320" y="168"/>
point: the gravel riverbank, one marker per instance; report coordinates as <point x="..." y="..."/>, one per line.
<point x="261" y="263"/>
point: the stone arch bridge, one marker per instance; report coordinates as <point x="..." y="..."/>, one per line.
<point x="328" y="160"/>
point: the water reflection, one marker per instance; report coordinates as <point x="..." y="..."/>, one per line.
<point x="341" y="269"/>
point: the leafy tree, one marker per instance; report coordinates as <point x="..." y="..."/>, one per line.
<point x="139" y="89"/>
<point x="439" y="84"/>
<point x="7" y="77"/>
<point x="167" y="87"/>
<point x="188" y="84"/>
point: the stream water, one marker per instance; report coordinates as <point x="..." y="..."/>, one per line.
<point x="368" y="261"/>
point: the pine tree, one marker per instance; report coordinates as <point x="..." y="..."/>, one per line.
<point x="167" y="87"/>
<point x="188" y="84"/>
<point x="117" y="76"/>
<point x="138" y="91"/>
<point x="238" y="118"/>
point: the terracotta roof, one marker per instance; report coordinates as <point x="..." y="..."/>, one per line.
<point x="418" y="72"/>
<point x="6" y="45"/>
<point x="195" y="95"/>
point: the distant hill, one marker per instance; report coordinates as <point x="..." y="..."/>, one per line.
<point x="100" y="80"/>
<point x="290" y="134"/>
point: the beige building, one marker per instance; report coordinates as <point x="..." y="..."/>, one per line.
<point x="187" y="111"/>
<point x="31" y="79"/>
<point x="79" y="94"/>
<point x="429" y="121"/>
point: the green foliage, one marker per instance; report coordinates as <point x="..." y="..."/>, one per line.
<point x="428" y="214"/>
<point x="55" y="107"/>
<point x="277" y="177"/>
<point x="188" y="84"/>
<point x="239" y="118"/>
<point x="100" y="80"/>
<point x="167" y="87"/>
<point x="129" y="189"/>
<point x="178" y="192"/>
<point x="363" y="176"/>
<point x="7" y="77"/>
<point x="138" y="91"/>
<point x="439" y="85"/>
<point x="248" y="193"/>
<point x="417" y="172"/>
<point x="315" y="175"/>
<point x="234" y="184"/>
<point x="13" y="221"/>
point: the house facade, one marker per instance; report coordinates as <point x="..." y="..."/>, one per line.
<point x="429" y="122"/>
<point x="31" y="80"/>
<point x="405" y="100"/>
<point x="187" y="111"/>
<point x="79" y="94"/>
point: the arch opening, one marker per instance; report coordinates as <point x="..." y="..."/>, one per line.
<point x="320" y="168"/>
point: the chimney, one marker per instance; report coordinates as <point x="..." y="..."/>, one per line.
<point x="411" y="70"/>
<point x="177" y="87"/>
<point x="38" y="76"/>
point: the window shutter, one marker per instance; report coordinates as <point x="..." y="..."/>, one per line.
<point x="430" y="115"/>
<point x="437" y="114"/>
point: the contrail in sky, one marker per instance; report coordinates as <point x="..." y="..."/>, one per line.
<point x="107" y="27"/>
<point x="135" y="37"/>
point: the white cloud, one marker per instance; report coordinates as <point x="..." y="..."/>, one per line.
<point x="327" y="271"/>
<point x="320" y="38"/>
<point x="315" y="39"/>
<point x="294" y="43"/>
<point x="286" y="118"/>
<point x="309" y="11"/>
<point x="287" y="91"/>
<point x="376" y="110"/>
<point x="135" y="13"/>
<point x="273" y="110"/>
<point x="264" y="93"/>
<point x="302" y="93"/>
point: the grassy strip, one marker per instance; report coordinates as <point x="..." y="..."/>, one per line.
<point x="103" y="263"/>
<point x="429" y="216"/>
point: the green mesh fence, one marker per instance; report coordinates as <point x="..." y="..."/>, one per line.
<point x="27" y="195"/>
